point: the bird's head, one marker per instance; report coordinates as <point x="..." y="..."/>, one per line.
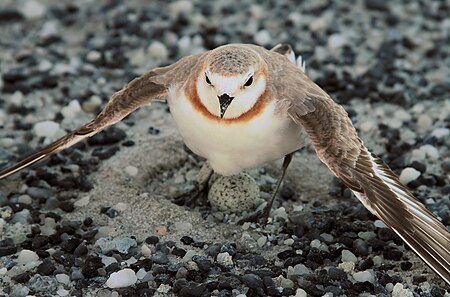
<point x="232" y="81"/>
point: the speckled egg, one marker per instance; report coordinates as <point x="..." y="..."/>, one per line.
<point x="235" y="193"/>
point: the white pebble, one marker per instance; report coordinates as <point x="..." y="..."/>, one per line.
<point x="430" y="151"/>
<point x="261" y="241"/>
<point x="145" y="250"/>
<point x="82" y="201"/>
<point x="289" y="241"/>
<point x="71" y="110"/>
<point x="402" y="115"/>
<point x="399" y="291"/>
<point x="363" y="276"/>
<point x="32" y="9"/>
<point x="347" y="266"/>
<point x="157" y="50"/>
<point x="424" y="122"/>
<point x="122" y="278"/>
<point x="300" y="293"/>
<point x="93" y="56"/>
<point x="336" y="41"/>
<point x="46" y="129"/>
<point x="263" y="37"/>
<point x="131" y="170"/>
<point x="63" y="278"/>
<point x="225" y="259"/>
<point x="62" y="292"/>
<point x="368" y="235"/>
<point x="141" y="273"/>
<point x="26" y="256"/>
<point x="318" y="24"/>
<point x="299" y="269"/>
<point x="408" y="174"/>
<point x="440" y="132"/>
<point x="348" y="256"/>
<point x="181" y="6"/>
<point x="92" y="103"/>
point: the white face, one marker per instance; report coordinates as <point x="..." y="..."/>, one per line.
<point x="244" y="89"/>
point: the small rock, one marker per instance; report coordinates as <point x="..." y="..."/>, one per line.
<point x="122" y="278"/>
<point x="263" y="37"/>
<point x="26" y="256"/>
<point x="440" y="132"/>
<point x="131" y="170"/>
<point x="32" y="9"/>
<point x="157" y="50"/>
<point x="225" y="259"/>
<point x="46" y="129"/>
<point x="408" y="174"/>
<point x="348" y="256"/>
<point x="364" y="276"/>
<point x="424" y="122"/>
<point x="82" y="201"/>
<point x="336" y="41"/>
<point x="71" y="110"/>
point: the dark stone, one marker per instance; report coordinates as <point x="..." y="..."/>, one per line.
<point x="161" y="259"/>
<point x="437" y="292"/>
<point x="179" y="284"/>
<point x="71" y="244"/>
<point x="10" y="15"/>
<point x="40" y="193"/>
<point x="193" y="290"/>
<point x="111" y="135"/>
<point x="104" y="153"/>
<point x="252" y="281"/>
<point x="360" y="247"/>
<point x="419" y="166"/>
<point x="80" y="251"/>
<point x="366" y="264"/>
<point x="88" y="222"/>
<point x="229" y="248"/>
<point x="203" y="264"/>
<point x="187" y="240"/>
<point x="7" y="247"/>
<point x="393" y="254"/>
<point x="405" y="266"/>
<point x="91" y="266"/>
<point x="40" y="241"/>
<point x="213" y="250"/>
<point x="179" y="252"/>
<point x="286" y="254"/>
<point x="46" y="267"/>
<point x="336" y="274"/>
<point x="68" y="260"/>
<point x="153" y="131"/>
<point x="67" y="206"/>
<point x="21" y="278"/>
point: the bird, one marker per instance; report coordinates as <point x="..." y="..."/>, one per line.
<point x="241" y="105"/>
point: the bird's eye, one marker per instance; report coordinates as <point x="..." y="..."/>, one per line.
<point x="207" y="79"/>
<point x="249" y="82"/>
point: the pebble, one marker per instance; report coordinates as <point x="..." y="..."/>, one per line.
<point x="424" y="122"/>
<point x="92" y="104"/>
<point x="121" y="244"/>
<point x="82" y="201"/>
<point x="263" y="37"/>
<point x="62" y="292"/>
<point x="157" y="50"/>
<point x="122" y="278"/>
<point x="440" y="132"/>
<point x="408" y="175"/>
<point x="71" y="110"/>
<point x="300" y="293"/>
<point x="348" y="256"/>
<point x="131" y="170"/>
<point x="336" y="41"/>
<point x="225" y="259"/>
<point x="26" y="256"/>
<point x="32" y="9"/>
<point x="299" y="269"/>
<point x="364" y="276"/>
<point x="430" y="151"/>
<point x="25" y="199"/>
<point x="46" y="129"/>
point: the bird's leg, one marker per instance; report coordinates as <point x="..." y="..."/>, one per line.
<point x="264" y="214"/>
<point x="201" y="184"/>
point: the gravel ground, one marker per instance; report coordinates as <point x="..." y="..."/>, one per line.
<point x="99" y="220"/>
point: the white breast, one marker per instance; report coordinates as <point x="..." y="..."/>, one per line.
<point x="233" y="147"/>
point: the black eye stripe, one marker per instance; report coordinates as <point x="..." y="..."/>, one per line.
<point x="207" y="79"/>
<point x="249" y="82"/>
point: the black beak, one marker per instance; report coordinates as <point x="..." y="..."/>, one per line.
<point x="225" y="101"/>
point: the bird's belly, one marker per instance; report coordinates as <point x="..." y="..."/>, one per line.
<point x="232" y="147"/>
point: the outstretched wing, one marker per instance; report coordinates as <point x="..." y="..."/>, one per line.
<point x="151" y="86"/>
<point x="376" y="186"/>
